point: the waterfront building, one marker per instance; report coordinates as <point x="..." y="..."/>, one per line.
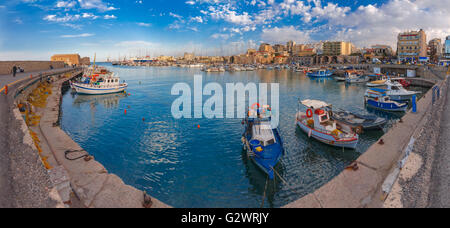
<point x="435" y="49"/>
<point x="278" y="48"/>
<point x="336" y="48"/>
<point x="164" y="58"/>
<point x="381" y="50"/>
<point x="251" y="52"/>
<point x="290" y="46"/>
<point x="412" y="45"/>
<point x="69" y="59"/>
<point x="306" y="52"/>
<point x="266" y="48"/>
<point x="189" y="56"/>
<point x="447" y="48"/>
<point x="85" y="61"/>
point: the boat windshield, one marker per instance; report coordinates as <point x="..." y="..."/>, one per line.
<point x="263" y="132"/>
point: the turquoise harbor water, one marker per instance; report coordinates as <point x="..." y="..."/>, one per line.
<point x="185" y="166"/>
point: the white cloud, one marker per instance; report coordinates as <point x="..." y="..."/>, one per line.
<point x="108" y="17"/>
<point x="221" y="36"/>
<point x="66" y="18"/>
<point x="78" y="35"/>
<point x="89" y="15"/>
<point x="373" y="24"/>
<point x="144" y="24"/>
<point x="285" y="34"/>
<point x="65" y="4"/>
<point x="96" y="4"/>
<point x="198" y="19"/>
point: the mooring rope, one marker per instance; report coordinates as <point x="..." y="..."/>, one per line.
<point x="67" y="152"/>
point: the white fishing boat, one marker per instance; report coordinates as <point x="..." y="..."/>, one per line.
<point x="396" y="92"/>
<point x="98" y="80"/>
<point x="316" y="122"/>
<point x="352" y="76"/>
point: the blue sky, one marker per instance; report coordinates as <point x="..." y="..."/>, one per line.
<point x="36" y="29"/>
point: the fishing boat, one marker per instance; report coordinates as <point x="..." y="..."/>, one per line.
<point x="352" y="76"/>
<point x="322" y="73"/>
<point x="261" y="141"/>
<point x="316" y="122"/>
<point x="340" y="78"/>
<point x="98" y="80"/>
<point x="378" y="99"/>
<point x="377" y="80"/>
<point x="397" y="92"/>
<point x="358" y="122"/>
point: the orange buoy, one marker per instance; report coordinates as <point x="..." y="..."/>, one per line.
<point x="6" y="89"/>
<point x="125" y="111"/>
<point x="198" y="126"/>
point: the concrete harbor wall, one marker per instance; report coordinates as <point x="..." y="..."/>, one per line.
<point x="24" y="181"/>
<point x="378" y="168"/>
<point x="28" y="66"/>
<point x="61" y="181"/>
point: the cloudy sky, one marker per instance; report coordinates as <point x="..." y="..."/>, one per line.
<point x="36" y="29"/>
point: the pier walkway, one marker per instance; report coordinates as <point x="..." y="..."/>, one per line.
<point x="17" y="170"/>
<point x="440" y="180"/>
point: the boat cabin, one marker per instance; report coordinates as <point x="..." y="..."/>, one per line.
<point x="263" y="133"/>
<point x="323" y="119"/>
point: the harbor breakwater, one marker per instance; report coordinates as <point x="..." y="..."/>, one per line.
<point x="64" y="174"/>
<point x="369" y="181"/>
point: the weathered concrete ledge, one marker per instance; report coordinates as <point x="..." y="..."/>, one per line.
<point x="363" y="187"/>
<point x="81" y="182"/>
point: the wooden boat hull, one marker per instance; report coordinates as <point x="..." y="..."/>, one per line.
<point x="90" y="90"/>
<point x="327" y="138"/>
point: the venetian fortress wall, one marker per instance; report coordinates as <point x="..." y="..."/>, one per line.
<point x="29" y="66"/>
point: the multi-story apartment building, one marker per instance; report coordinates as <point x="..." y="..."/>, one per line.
<point x="447" y="48"/>
<point x="290" y="46"/>
<point x="336" y="48"/>
<point x="435" y="49"/>
<point x="412" y="45"/>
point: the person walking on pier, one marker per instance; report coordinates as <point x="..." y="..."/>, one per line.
<point x="14" y="71"/>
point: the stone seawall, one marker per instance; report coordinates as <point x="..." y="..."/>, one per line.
<point x="28" y="66"/>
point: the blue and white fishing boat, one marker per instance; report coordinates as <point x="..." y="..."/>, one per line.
<point x="98" y="81"/>
<point x="261" y="141"/>
<point x="378" y="99"/>
<point x="322" y="73"/>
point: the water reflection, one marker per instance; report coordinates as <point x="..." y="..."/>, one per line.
<point x="108" y="101"/>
